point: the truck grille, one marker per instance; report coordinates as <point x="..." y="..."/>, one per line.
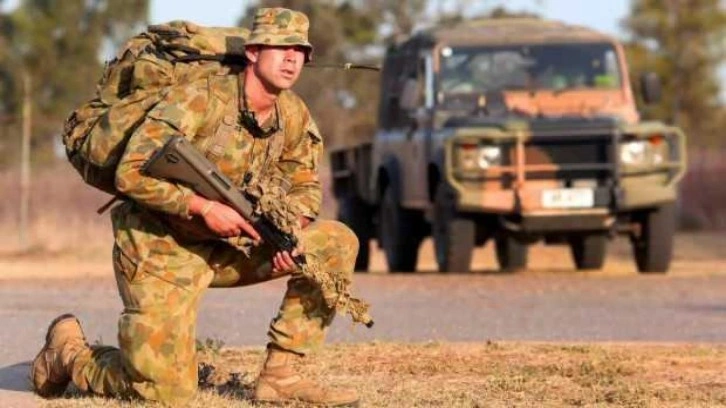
<point x="567" y="152"/>
<point x="566" y="158"/>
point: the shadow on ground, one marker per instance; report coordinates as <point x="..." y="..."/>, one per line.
<point x="15" y="377"/>
<point x="15" y="387"/>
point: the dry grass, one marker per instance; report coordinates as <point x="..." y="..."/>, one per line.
<point x="489" y="374"/>
<point x="702" y="190"/>
<point x="63" y="217"/>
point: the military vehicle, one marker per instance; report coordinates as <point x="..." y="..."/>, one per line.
<point x="512" y="130"/>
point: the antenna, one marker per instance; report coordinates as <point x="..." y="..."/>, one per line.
<point x="346" y="66"/>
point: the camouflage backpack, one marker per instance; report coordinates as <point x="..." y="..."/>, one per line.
<point x="178" y="52"/>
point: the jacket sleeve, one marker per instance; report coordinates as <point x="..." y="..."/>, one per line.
<point x="182" y="111"/>
<point x="299" y="163"/>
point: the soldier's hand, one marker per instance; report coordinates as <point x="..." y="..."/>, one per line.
<point x="222" y="219"/>
<point x="283" y="261"/>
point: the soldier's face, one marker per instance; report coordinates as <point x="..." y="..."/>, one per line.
<point x="279" y="67"/>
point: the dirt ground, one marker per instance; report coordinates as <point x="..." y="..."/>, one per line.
<point x="696" y="253"/>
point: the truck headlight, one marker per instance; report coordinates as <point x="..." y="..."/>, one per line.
<point x="489" y="156"/>
<point x="634" y="152"/>
<point x="650" y="151"/>
<point x="474" y="156"/>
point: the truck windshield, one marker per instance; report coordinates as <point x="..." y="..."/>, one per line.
<point x="531" y="67"/>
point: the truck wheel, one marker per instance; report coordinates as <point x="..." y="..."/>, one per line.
<point x="356" y="214"/>
<point x="400" y="236"/>
<point x="454" y="236"/>
<point x="653" y="248"/>
<point x="589" y="250"/>
<point x="511" y="254"/>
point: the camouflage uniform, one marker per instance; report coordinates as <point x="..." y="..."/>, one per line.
<point x="164" y="259"/>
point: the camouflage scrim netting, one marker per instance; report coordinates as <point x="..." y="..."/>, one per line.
<point x="271" y="196"/>
<point x="178" y="52"/>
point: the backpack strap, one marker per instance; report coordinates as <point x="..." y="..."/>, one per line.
<point x="102" y="209"/>
<point x="227" y="59"/>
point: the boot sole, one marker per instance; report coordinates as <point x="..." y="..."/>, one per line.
<point x="51" y="389"/>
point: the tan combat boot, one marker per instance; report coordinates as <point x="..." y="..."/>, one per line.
<point x="280" y="383"/>
<point x="52" y="368"/>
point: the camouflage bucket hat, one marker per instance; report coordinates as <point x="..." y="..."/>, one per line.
<point x="281" y="26"/>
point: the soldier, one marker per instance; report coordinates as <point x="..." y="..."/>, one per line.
<point x="169" y="241"/>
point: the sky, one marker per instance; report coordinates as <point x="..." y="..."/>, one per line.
<point x="601" y="15"/>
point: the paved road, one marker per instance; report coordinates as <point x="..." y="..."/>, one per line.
<point x="537" y="307"/>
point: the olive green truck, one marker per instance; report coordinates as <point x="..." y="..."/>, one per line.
<point x="517" y="131"/>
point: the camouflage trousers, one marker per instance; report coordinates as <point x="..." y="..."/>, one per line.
<point x="161" y="288"/>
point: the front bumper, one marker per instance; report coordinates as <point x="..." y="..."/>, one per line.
<point x="523" y="210"/>
<point x="528" y="200"/>
<point x="535" y="166"/>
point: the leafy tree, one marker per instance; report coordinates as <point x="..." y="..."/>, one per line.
<point x="682" y="40"/>
<point x="59" y="45"/>
<point x="401" y="16"/>
<point x="503" y="12"/>
<point x="6" y="81"/>
<point x="452" y="19"/>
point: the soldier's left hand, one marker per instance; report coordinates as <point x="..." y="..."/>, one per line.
<point x="283" y="261"/>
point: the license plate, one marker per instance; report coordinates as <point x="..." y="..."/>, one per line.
<point x="568" y="198"/>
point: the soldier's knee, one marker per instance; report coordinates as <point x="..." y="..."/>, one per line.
<point x="346" y="238"/>
<point x="334" y="242"/>
<point x="331" y="235"/>
<point x="346" y="246"/>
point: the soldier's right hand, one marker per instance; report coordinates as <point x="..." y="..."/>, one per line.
<point x="222" y="219"/>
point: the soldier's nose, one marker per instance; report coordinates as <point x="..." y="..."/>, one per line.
<point x="291" y="54"/>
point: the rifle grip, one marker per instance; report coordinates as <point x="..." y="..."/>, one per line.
<point x="300" y="259"/>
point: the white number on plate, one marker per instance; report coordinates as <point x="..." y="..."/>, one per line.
<point x="568" y="198"/>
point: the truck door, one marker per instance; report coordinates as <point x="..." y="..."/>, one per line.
<point x="416" y="130"/>
<point x="420" y="132"/>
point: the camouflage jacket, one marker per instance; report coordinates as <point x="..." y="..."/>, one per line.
<point x="207" y="112"/>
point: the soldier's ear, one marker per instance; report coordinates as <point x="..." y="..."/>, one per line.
<point x="252" y="52"/>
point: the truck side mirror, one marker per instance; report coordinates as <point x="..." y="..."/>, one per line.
<point x="650" y="87"/>
<point x="409" y="95"/>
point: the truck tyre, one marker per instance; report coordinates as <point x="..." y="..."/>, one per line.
<point x="357" y="215"/>
<point x="454" y="235"/>
<point x="511" y="254"/>
<point x="589" y="250"/>
<point x="400" y="236"/>
<point x="653" y="248"/>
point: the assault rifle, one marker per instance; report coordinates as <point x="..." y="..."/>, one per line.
<point x="178" y="160"/>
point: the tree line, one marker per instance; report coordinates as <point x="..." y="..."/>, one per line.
<point x="61" y="47"/>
